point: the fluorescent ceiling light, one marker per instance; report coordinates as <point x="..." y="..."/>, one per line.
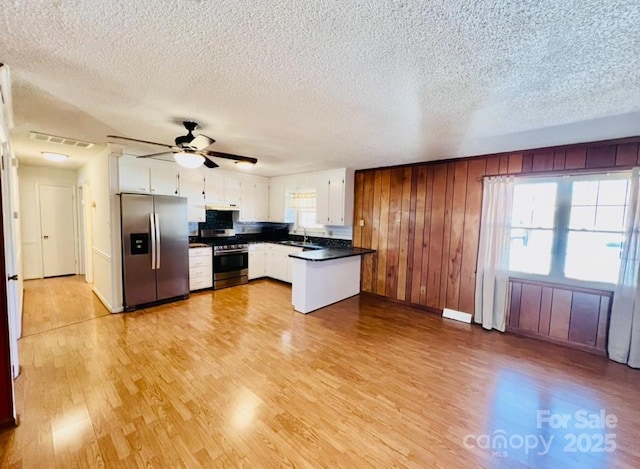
<point x="188" y="160"/>
<point x="57" y="157"/>
<point x="244" y="165"/>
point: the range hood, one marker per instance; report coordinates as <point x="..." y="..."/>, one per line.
<point x="228" y="208"/>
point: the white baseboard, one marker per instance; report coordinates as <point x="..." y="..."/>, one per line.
<point x="456" y="315"/>
<point x="104" y="301"/>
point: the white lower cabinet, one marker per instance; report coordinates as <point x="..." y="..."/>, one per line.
<point x="279" y="264"/>
<point x="257" y="261"/>
<point x="200" y="268"/>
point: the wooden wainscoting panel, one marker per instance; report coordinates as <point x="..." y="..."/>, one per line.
<point x="627" y="154"/>
<point x="543" y="161"/>
<point x="419" y="252"/>
<point x="427" y="243"/>
<point x="573" y="316"/>
<point x="457" y="234"/>
<point x="405" y="223"/>
<point x="515" y="163"/>
<point x="527" y="162"/>
<point x="530" y="307"/>
<point x="368" y="203"/>
<point x="393" y="232"/>
<point x="436" y="215"/>
<point x="493" y="164"/>
<point x="516" y="300"/>
<point x="446" y="239"/>
<point x="576" y="157"/>
<point x="583" y="326"/>
<point x="357" y="210"/>
<point x="603" y="322"/>
<point x="601" y="157"/>
<point x="560" y="314"/>
<point x="558" y="159"/>
<point x="545" y="310"/>
<point x="472" y="212"/>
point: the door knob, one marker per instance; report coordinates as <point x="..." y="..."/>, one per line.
<point x="12" y="277"/>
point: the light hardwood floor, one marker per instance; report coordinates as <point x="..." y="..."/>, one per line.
<point x="237" y="378"/>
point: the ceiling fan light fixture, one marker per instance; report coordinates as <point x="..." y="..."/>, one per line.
<point x="188" y="160"/>
<point x="55" y="157"/>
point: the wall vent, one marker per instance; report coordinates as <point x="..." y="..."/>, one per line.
<point x="61" y="140"/>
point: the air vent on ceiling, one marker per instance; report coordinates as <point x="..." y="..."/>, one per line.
<point x="61" y="140"/>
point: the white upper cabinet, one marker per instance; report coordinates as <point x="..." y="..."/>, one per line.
<point x="214" y="188"/>
<point x="134" y="176"/>
<point x="192" y="187"/>
<point x="148" y="176"/>
<point x="232" y="191"/>
<point x="277" y="199"/>
<point x="255" y="201"/>
<point x="262" y="201"/>
<point x="163" y="178"/>
<point x="334" y="197"/>
<point x="222" y="190"/>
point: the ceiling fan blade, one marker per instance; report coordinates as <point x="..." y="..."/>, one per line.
<point x="209" y="164"/>
<point x="139" y="141"/>
<point x="229" y="156"/>
<point x="155" y="154"/>
<point x="201" y="142"/>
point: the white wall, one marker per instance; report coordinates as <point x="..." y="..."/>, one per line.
<point x="30" y="179"/>
<point x="103" y="240"/>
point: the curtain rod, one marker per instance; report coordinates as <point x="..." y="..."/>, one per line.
<point x="572" y="172"/>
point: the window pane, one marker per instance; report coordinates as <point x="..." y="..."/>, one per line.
<point x="530" y="251"/>
<point x="534" y="205"/>
<point x="612" y="192"/>
<point x="610" y="218"/>
<point x="585" y="193"/>
<point x="593" y="256"/>
<point x="582" y="218"/>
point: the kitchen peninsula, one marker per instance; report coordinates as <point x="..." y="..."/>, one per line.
<point x="325" y="276"/>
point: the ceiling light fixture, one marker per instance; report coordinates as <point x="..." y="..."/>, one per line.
<point x="56" y="157"/>
<point x="244" y="165"/>
<point x="188" y="160"/>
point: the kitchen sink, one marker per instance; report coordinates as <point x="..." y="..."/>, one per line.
<point x="302" y="244"/>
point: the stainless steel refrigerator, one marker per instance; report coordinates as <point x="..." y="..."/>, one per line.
<point x="155" y="248"/>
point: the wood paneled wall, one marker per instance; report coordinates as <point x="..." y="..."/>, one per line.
<point x="577" y="317"/>
<point x="424" y="219"/>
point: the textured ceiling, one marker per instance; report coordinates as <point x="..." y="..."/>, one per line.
<point x="315" y="84"/>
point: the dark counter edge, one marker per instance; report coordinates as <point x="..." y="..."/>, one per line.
<point x="330" y="254"/>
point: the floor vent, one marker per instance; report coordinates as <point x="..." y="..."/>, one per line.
<point x="456" y="315"/>
<point x="70" y="142"/>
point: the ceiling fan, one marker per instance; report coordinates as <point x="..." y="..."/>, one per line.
<point x="190" y="150"/>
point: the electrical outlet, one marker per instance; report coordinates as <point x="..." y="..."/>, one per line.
<point x="423" y="290"/>
<point x="362" y="222"/>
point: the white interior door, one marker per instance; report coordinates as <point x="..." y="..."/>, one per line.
<point x="56" y="219"/>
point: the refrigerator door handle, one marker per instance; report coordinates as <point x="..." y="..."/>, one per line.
<point x="157" y="240"/>
<point x="152" y="221"/>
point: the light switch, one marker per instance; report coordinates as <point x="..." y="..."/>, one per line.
<point x="362" y="222"/>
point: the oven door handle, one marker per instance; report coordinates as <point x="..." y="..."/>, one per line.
<point x="227" y="253"/>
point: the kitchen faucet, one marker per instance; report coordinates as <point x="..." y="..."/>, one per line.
<point x="304" y="232"/>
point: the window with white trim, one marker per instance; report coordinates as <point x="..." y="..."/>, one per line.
<point x="304" y="206"/>
<point x="569" y="227"/>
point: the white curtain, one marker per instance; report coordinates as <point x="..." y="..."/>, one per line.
<point x="492" y="275"/>
<point x="624" y="327"/>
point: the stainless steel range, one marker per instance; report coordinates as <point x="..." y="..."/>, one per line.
<point x="230" y="258"/>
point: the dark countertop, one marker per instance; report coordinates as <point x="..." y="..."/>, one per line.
<point x="329" y="254"/>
